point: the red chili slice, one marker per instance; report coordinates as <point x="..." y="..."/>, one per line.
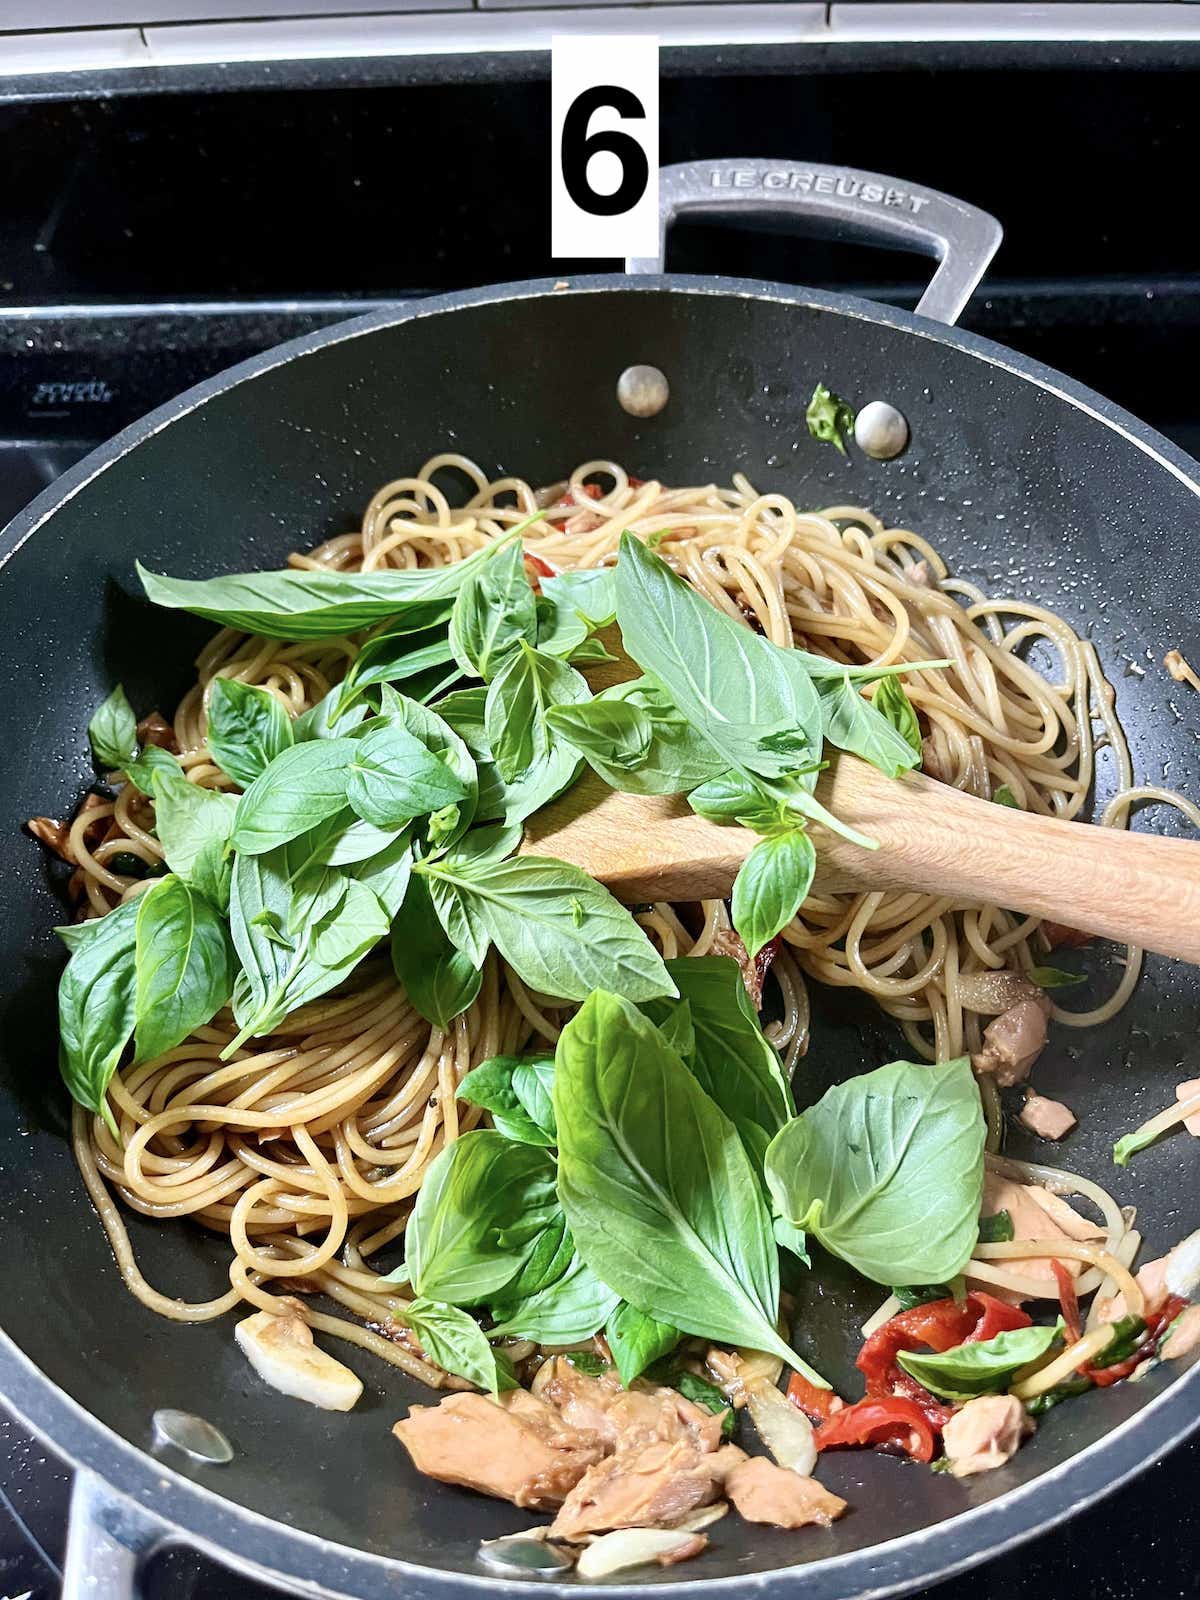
<point x="816" y="1404"/>
<point x="882" y="1421"/>
<point x="1156" y="1327"/>
<point x="1068" y="1299"/>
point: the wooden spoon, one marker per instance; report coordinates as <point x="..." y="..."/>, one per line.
<point x="1135" y="888"/>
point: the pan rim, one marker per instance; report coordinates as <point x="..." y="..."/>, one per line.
<point x="222" y="1527"/>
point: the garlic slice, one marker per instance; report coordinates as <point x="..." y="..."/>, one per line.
<point x="634" y="1547"/>
<point x="280" y="1348"/>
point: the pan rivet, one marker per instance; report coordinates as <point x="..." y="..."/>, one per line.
<point x="192" y="1435"/>
<point x="524" y="1557"/>
<point x="880" y="430"/>
<point x="643" y="391"/>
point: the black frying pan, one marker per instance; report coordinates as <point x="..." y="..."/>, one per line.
<point x="1030" y="484"/>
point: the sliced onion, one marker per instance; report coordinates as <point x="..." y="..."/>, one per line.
<point x="630" y="1547"/>
<point x="991" y="993"/>
<point x="1183" y="1266"/>
<point x="782" y="1427"/>
<point x="696" y="1521"/>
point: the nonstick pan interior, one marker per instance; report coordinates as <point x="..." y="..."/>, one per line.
<point x="1027" y="492"/>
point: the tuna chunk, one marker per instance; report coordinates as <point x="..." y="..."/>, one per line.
<point x="1184" y="1337"/>
<point x="517" y="1448"/>
<point x="1013" y="1041"/>
<point x="1036" y="1214"/>
<point x="625" y="1418"/>
<point x="1049" y="1119"/>
<point x="655" y="1486"/>
<point x="763" y="1492"/>
<point x="985" y="1433"/>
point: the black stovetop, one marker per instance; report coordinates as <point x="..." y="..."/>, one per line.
<point x="141" y="248"/>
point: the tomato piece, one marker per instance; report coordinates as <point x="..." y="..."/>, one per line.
<point x="1068" y="1299"/>
<point x="1060" y="937"/>
<point x="996" y="1316"/>
<point x="816" y="1404"/>
<point x="535" y="567"/>
<point x="882" y="1421"/>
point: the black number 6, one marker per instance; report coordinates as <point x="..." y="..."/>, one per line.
<point x="578" y="147"/>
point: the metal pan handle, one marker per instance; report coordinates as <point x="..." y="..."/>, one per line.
<point x="108" y="1538"/>
<point x="847" y="202"/>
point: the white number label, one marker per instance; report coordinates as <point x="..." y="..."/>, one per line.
<point x="604" y="169"/>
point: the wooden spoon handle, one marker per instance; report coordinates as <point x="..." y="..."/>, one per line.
<point x="1134" y="888"/>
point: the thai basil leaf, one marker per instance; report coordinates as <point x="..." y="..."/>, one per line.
<point x="988" y="1366"/>
<point x="673" y="1019"/>
<point x="895" y="707"/>
<point x="392" y="778"/>
<point x="194" y="828"/>
<point x="149" y="765"/>
<point x="887" y="1171"/>
<point x="787" y="1235"/>
<point x="524" y="689"/>
<point x="677" y="759"/>
<point x="996" y="1229"/>
<point x="1055" y="978"/>
<point x="733" y="797"/>
<point x="76" y="934"/>
<point x="113" y="732"/>
<point x="97" y="996"/>
<point x="561" y="631"/>
<point x="638" y="1341"/>
<point x="591" y="592"/>
<point x="589" y="652"/>
<point x="480" y="1209"/>
<point x="771" y="886"/>
<point x="247" y="728"/>
<point x="457" y="1343"/>
<point x="184" y="965"/>
<point x="518" y="1095"/>
<point x="732" y="1059"/>
<point x="326" y="720"/>
<point x="436" y="734"/>
<point x="560" y="930"/>
<point x="493" y="612"/>
<point x="440" y="981"/>
<point x="571" y="1309"/>
<point x="615" y="732"/>
<point x="645" y="1155"/>
<point x="461" y="919"/>
<point x="387" y="874"/>
<point x="297" y="792"/>
<point x="552" y="1253"/>
<point x="302" y="604"/>
<point x="734" y="686"/>
<point x="544" y="781"/>
<point x="853" y="723"/>
<point x="397" y="656"/>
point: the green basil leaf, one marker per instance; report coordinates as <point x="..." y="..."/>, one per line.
<point x="518" y="698"/>
<point x="1068" y="1389"/>
<point x="734" y="797"/>
<point x="923" y="1294"/>
<point x="194" y="827"/>
<point x="113" y="732"/>
<point x="184" y="966"/>
<point x="552" y="1253"/>
<point x="97" y="1007"/>
<point x="673" y="1019"/>
<point x="560" y="930"/>
<point x="706" y="1395"/>
<point x="387" y="874"/>
<point x="787" y="1235"/>
<point x="591" y="592"/>
<point x="393" y="778"/>
<point x="887" y="1171"/>
<point x="732" y="1059"/>
<point x="589" y="651"/>
<point x="350" y="929"/>
<point x="658" y="1190"/>
<point x="986" y="1367"/>
<point x="460" y="918"/>
<point x="1003" y="796"/>
<point x="571" y="1309"/>
<point x="493" y="612"/>
<point x="996" y="1229"/>
<point x="302" y="604"/>
<point x="436" y="734"/>
<point x="734" y="686"/>
<point x="853" y="723"/>
<point x="457" y="1343"/>
<point x="1127" y="1335"/>
<point x="298" y="791"/>
<point x="678" y="758"/>
<point x="527" y="1117"/>
<point x="894" y="706"/>
<point x="1055" y="978"/>
<point x="76" y="934"/>
<point x="399" y="655"/>
<point x="247" y="728"/>
<point x="829" y="417"/>
<point x="326" y="720"/>
<point x="513" y="802"/>
<point x="771" y="886"/>
<point x="561" y="631"/>
<point x="150" y="764"/>
<point x="481" y="1207"/>
<point x="638" y="1341"/>
<point x="440" y="981"/>
<point x="617" y="732"/>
